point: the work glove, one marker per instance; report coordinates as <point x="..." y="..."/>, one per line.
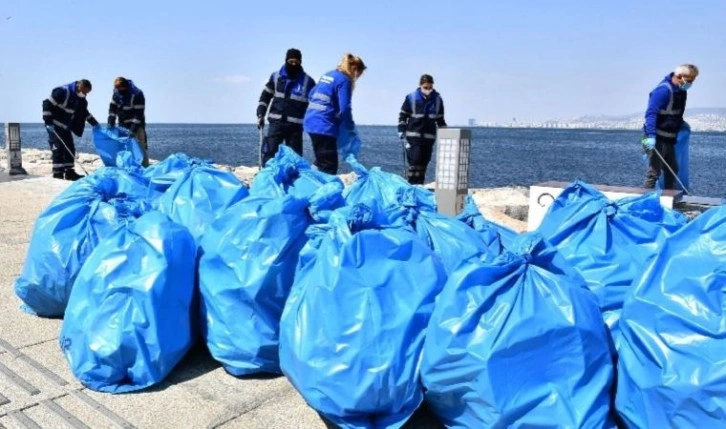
<point x="648" y="143"/>
<point x="111" y="121"/>
<point x="50" y="129"/>
<point x="133" y="128"/>
<point x="260" y="122"/>
<point x="400" y="135"/>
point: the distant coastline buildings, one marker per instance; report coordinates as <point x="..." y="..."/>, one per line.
<point x="699" y="119"/>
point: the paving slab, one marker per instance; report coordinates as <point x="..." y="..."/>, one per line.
<point x="21" y="202"/>
<point x="38" y="390"/>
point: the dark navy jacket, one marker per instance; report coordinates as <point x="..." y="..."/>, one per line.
<point x="420" y="116"/>
<point x="66" y="110"/>
<point x="129" y="107"/>
<point x="289" y="97"/>
<point x="330" y="106"/>
<point x="664" y="115"/>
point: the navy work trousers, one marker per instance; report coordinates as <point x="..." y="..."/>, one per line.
<point x="418" y="155"/>
<point x="279" y="133"/>
<point x="655" y="166"/>
<point x="63" y="157"/>
<point x="326" y="152"/>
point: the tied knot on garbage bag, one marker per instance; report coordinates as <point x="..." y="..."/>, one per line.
<point x="359" y="218"/>
<point x="610" y="208"/>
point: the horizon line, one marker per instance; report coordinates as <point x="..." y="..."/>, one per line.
<point x="497" y="123"/>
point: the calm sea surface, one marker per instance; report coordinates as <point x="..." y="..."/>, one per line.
<point x="499" y="157"/>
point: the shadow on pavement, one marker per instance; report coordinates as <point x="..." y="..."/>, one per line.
<point x="196" y="363"/>
<point x="423" y="418"/>
<point x="5" y="177"/>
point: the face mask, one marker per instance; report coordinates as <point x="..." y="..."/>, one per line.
<point x="685" y="85"/>
<point x="426" y="92"/>
<point x="293" y="69"/>
<point x="81" y="95"/>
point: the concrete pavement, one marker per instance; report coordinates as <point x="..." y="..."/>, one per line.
<point x="38" y="390"/>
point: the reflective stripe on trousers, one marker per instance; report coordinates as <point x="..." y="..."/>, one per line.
<point x="63" y="156"/>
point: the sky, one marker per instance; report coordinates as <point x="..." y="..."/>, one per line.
<point x="206" y="62"/>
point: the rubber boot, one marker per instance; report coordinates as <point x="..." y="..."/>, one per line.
<point x="58" y="175"/>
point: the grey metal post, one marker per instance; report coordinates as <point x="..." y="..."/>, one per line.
<point x="452" y="169"/>
<point x="12" y="145"/>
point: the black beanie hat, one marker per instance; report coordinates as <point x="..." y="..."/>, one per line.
<point x="294" y="54"/>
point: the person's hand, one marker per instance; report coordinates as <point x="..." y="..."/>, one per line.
<point x="111" y="121"/>
<point x="50" y="129"/>
<point x="260" y="122"/>
<point x="400" y="135"/>
<point x="133" y="128"/>
<point x="648" y="143"/>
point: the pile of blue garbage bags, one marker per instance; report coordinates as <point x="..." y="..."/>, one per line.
<point x="372" y="304"/>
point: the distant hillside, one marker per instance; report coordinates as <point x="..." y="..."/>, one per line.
<point x="695" y="111"/>
<point x="706" y="111"/>
<point x="700" y="119"/>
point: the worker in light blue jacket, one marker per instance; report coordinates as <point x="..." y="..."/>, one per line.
<point x="329" y="116"/>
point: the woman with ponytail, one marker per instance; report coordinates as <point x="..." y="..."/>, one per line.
<point x="329" y="115"/>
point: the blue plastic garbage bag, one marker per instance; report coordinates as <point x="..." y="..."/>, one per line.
<point x="310" y="181"/>
<point x="68" y="230"/>
<point x="128" y="320"/>
<point x="496" y="236"/>
<point x="289" y="173"/>
<point x="608" y="243"/>
<point x="353" y="327"/>
<point x="163" y="174"/>
<point x="117" y="182"/>
<point x="518" y="342"/>
<point x="349" y="142"/>
<point x="672" y="354"/>
<point x="279" y="173"/>
<point x="126" y="161"/>
<point x="381" y="190"/>
<point x="197" y="198"/>
<point x="683" y="144"/>
<point x="451" y="240"/>
<point x="246" y="270"/>
<point x="110" y="141"/>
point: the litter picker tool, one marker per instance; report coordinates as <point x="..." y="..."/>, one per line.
<point x="70" y="153"/>
<point x="405" y="159"/>
<point x="262" y="142"/>
<point x="671" y="170"/>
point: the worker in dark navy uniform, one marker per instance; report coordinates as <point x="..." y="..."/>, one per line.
<point x="422" y="113"/>
<point x="128" y="105"/>
<point x="663" y="121"/>
<point x="286" y="97"/>
<point x="66" y="112"/>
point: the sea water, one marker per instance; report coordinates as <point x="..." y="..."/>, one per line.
<point x="499" y="156"/>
